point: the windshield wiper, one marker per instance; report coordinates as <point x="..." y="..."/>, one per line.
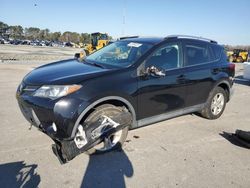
<point x="97" y="65"/>
<point x="93" y="64"/>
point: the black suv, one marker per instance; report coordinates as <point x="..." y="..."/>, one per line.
<point x="90" y="105"/>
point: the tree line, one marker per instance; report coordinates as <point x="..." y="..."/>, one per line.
<point x="34" y="33"/>
<point x="242" y="47"/>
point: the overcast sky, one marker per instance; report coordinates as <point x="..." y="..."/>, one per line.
<point x="227" y="21"/>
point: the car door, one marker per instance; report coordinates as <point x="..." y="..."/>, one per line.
<point x="197" y="71"/>
<point x="166" y="92"/>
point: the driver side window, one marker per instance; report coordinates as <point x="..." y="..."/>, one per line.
<point x="166" y="57"/>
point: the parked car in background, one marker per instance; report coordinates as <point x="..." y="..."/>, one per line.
<point x="25" y="42"/>
<point x="15" y="41"/>
<point x="68" y="44"/>
<point x="57" y="44"/>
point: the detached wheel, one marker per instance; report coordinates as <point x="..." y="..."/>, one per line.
<point x="215" y="104"/>
<point x="113" y="141"/>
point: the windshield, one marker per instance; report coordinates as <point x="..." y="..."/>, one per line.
<point x="121" y="54"/>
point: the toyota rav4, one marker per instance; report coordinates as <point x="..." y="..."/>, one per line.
<point x="89" y="105"/>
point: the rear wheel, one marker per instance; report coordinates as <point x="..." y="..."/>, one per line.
<point x="113" y="141"/>
<point x="215" y="104"/>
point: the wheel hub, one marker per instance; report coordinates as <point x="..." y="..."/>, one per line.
<point x="112" y="139"/>
<point x="106" y="125"/>
<point x="217" y="104"/>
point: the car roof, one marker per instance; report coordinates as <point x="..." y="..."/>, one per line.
<point x="149" y="40"/>
<point x="156" y="40"/>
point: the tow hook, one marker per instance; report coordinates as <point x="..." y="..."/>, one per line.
<point x="90" y="136"/>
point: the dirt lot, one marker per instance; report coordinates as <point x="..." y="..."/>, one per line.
<point x="187" y="151"/>
<point x="24" y="53"/>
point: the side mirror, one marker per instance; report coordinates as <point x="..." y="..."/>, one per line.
<point x="156" y="72"/>
<point x="80" y="55"/>
<point x="77" y="55"/>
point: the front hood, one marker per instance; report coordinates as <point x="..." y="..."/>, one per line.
<point x="63" y="72"/>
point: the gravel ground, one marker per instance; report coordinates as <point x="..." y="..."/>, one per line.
<point x="187" y="151"/>
<point x="24" y="53"/>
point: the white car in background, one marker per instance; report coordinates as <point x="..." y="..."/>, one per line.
<point x="246" y="73"/>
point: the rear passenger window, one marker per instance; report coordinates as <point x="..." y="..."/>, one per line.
<point x="197" y="54"/>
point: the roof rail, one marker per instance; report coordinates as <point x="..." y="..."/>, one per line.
<point x="128" y="37"/>
<point x="190" y="37"/>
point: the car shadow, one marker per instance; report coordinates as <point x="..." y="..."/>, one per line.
<point x="241" y="80"/>
<point x="232" y="140"/>
<point x="107" y="170"/>
<point x="19" y="174"/>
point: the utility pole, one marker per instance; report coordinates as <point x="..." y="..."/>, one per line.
<point x="124" y="18"/>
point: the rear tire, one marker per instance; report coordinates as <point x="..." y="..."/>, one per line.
<point x="215" y="104"/>
<point x="107" y="110"/>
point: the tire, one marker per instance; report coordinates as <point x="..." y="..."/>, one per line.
<point x="214" y="107"/>
<point x="107" y="110"/>
<point x="86" y="52"/>
<point x="240" y="60"/>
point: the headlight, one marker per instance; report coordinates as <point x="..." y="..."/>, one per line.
<point x="56" y="91"/>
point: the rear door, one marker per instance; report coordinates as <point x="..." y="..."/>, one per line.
<point x="198" y="61"/>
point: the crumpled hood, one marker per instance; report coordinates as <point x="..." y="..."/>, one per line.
<point x="63" y="72"/>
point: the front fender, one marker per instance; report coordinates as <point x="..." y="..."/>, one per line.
<point x="66" y="112"/>
<point x="99" y="101"/>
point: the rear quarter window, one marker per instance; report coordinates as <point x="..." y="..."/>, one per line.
<point x="216" y="52"/>
<point x="197" y="53"/>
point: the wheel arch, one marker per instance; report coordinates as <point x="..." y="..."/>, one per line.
<point x="115" y="100"/>
<point x="224" y="84"/>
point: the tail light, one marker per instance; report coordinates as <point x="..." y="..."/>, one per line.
<point x="232" y="69"/>
<point x="232" y="66"/>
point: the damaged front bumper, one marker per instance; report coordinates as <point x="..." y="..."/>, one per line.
<point x="56" y="118"/>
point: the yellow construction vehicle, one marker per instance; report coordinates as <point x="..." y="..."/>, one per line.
<point x="230" y="56"/>
<point x="239" y="56"/>
<point x="98" y="40"/>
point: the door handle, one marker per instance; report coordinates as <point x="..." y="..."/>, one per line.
<point x="215" y="70"/>
<point x="181" y="78"/>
